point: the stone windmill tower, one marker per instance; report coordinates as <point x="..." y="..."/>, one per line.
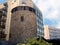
<point x="21" y="21"/>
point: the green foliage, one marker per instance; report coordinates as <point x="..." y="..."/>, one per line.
<point x="20" y="44"/>
<point x="36" y="42"/>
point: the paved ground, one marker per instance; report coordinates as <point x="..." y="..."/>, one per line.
<point x="6" y="43"/>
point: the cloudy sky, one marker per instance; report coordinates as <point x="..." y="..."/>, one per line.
<point x="50" y="10"/>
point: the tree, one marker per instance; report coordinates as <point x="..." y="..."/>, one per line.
<point x="37" y="42"/>
<point x="34" y="41"/>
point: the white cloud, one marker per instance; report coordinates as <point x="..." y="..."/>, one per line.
<point x="45" y="4"/>
<point x="53" y="15"/>
<point x="50" y="9"/>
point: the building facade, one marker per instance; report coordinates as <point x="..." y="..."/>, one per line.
<point x="3" y="15"/>
<point x="24" y="21"/>
<point x="39" y="21"/>
<point x="51" y="33"/>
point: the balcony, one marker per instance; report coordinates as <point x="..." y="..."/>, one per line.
<point x="2" y="35"/>
<point x="3" y="20"/>
<point x="3" y="26"/>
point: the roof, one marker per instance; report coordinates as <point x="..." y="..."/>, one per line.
<point x="2" y="6"/>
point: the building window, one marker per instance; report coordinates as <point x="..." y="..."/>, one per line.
<point x="22" y="18"/>
<point x="22" y="8"/>
<point x="15" y="9"/>
<point x="10" y="35"/>
<point x="23" y="2"/>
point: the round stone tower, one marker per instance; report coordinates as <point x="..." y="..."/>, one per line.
<point x="21" y="21"/>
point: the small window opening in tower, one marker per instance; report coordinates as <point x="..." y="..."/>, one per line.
<point x="22" y="18"/>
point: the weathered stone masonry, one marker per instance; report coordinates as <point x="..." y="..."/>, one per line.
<point x="23" y="25"/>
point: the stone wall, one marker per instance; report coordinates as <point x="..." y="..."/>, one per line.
<point x="21" y="30"/>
